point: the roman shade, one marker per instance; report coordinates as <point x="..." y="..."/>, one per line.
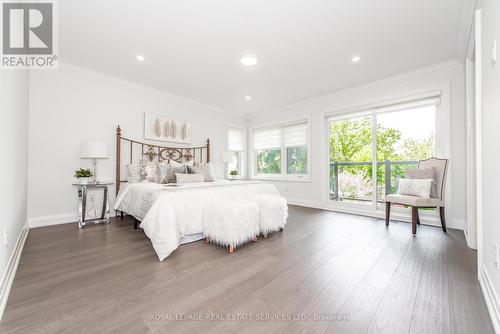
<point x="287" y="136"/>
<point x="267" y="138"/>
<point x="296" y="135"/>
<point x="236" y="140"/>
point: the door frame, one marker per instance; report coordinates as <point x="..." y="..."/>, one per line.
<point x="470" y="230"/>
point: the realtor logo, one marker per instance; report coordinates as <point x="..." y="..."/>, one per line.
<point x="28" y="35"/>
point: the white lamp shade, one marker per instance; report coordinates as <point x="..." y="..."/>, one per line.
<point x="93" y="149"/>
<point x="227" y="157"/>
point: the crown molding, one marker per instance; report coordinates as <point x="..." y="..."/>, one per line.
<point x="87" y="73"/>
<point x="424" y="71"/>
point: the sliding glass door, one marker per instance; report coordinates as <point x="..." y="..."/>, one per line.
<point x="371" y="151"/>
<point x="351" y="160"/>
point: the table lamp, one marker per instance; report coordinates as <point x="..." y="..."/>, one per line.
<point x="93" y="149"/>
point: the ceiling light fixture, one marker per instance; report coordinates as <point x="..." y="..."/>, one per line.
<point x="248" y="97"/>
<point x="140" y="58"/>
<point x="355" y="59"/>
<point x="248" y="60"/>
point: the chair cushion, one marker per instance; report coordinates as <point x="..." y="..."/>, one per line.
<point x="414" y="200"/>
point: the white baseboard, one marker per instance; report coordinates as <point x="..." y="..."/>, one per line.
<point x="457" y="224"/>
<point x="10" y="272"/>
<point x="491" y="297"/>
<point x="63" y="218"/>
<point x="307" y="204"/>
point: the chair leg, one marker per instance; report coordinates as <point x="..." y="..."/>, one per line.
<point x="418" y="217"/>
<point x="443" y="221"/>
<point x="121" y="214"/>
<point x="387" y="212"/>
<point x="231" y="249"/>
<point x="414" y="217"/>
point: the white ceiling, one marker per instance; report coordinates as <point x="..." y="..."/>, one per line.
<point x="192" y="48"/>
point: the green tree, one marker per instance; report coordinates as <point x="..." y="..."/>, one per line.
<point x="349" y="138"/>
<point x="351" y="141"/>
<point x="269" y="161"/>
<point x="415" y="149"/>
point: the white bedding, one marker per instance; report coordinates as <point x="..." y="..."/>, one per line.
<point x="168" y="213"/>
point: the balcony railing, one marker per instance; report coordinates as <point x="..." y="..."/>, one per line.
<point x="391" y="170"/>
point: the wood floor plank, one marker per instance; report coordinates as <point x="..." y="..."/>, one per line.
<point x="432" y="306"/>
<point x="357" y="314"/>
<point x="107" y="279"/>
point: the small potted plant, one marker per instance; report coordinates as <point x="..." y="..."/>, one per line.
<point x="83" y="175"/>
<point x="232" y="174"/>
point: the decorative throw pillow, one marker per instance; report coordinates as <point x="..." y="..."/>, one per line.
<point x="424" y="173"/>
<point x="415" y="187"/>
<point x="189" y="178"/>
<point x="149" y="170"/>
<point x="174" y="163"/>
<point x="133" y="172"/>
<point x="207" y="170"/>
<point x="167" y="172"/>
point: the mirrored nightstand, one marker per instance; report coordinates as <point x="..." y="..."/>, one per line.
<point x="83" y="192"/>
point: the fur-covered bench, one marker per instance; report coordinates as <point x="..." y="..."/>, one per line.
<point x="273" y="212"/>
<point x="231" y="223"/>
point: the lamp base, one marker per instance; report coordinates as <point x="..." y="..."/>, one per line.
<point x="94" y="170"/>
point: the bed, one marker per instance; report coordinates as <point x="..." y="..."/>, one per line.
<point x="170" y="214"/>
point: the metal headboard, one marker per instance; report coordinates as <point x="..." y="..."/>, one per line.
<point x="160" y="153"/>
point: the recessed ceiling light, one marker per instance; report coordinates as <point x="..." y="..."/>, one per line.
<point x="248" y="60"/>
<point x="355" y="59"/>
<point x="248" y="97"/>
<point x="140" y="58"/>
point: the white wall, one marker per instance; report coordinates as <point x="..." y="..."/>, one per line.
<point x="72" y="104"/>
<point x="490" y="157"/>
<point x="448" y="77"/>
<point x="14" y="170"/>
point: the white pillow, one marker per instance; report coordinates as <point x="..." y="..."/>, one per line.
<point x="415" y="187"/>
<point x="189" y="178"/>
<point x="207" y="170"/>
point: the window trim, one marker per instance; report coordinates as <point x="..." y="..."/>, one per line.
<point x="283" y="176"/>
<point x="243" y="153"/>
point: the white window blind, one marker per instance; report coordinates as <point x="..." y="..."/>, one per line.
<point x="422" y="103"/>
<point x="296" y="135"/>
<point x="415" y="104"/>
<point x="267" y="138"/>
<point x="236" y="140"/>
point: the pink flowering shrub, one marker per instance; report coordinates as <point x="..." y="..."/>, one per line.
<point x="354" y="186"/>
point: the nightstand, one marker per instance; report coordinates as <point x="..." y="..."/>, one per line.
<point x="83" y="190"/>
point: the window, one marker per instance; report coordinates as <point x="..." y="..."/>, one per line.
<point x="281" y="151"/>
<point x="370" y="152"/>
<point x="236" y="146"/>
<point x="296" y="148"/>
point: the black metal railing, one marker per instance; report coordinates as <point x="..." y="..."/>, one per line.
<point x="386" y="180"/>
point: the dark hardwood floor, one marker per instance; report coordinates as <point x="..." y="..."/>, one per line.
<point x="353" y="271"/>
